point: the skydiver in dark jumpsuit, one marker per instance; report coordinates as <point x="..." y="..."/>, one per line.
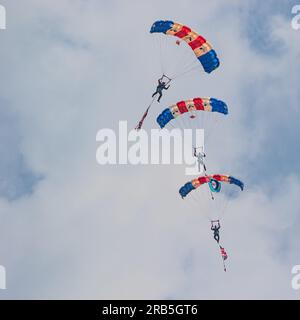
<point x="161" y="86"/>
<point x="215" y="229"/>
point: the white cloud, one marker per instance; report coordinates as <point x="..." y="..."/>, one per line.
<point x="123" y="232"/>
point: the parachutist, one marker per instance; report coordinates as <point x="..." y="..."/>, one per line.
<point x="215" y="228"/>
<point x="200" y="158"/>
<point x="162" y="85"/>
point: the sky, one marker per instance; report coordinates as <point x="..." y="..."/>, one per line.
<point x="73" y="229"/>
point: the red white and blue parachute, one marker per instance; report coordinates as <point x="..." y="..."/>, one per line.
<point x="219" y="178"/>
<point x="191" y="105"/>
<point x="202" y="49"/>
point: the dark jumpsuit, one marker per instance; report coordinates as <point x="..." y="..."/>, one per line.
<point x="215" y="229"/>
<point x="161" y="86"/>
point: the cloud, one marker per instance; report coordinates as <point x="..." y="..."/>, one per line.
<point x="86" y="231"/>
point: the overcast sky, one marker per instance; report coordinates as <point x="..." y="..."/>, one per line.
<point x="71" y="228"/>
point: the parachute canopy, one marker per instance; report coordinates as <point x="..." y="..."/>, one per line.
<point x="195" y="183"/>
<point x="191" y="105"/>
<point x="202" y="49"/>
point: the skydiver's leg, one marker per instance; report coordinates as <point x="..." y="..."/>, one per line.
<point x="160" y="95"/>
<point x="154" y="93"/>
<point x="217" y="237"/>
<point x="201" y="162"/>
